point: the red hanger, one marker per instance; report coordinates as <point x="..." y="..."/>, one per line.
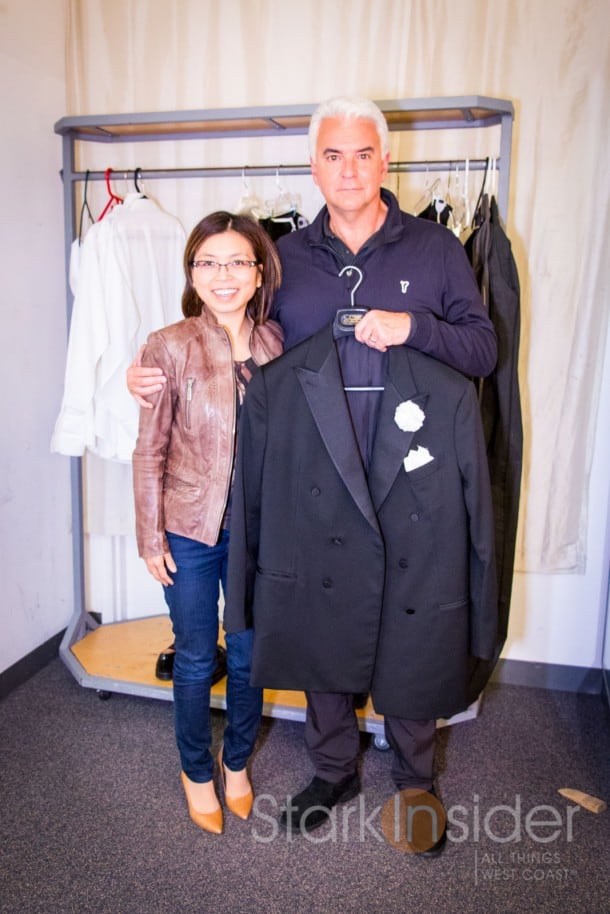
<point x="112" y="197"/>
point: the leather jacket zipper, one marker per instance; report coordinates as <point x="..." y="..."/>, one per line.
<point x="232" y="453"/>
<point x="189" y="399"/>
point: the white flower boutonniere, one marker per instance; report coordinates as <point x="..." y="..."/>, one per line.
<point x="408" y="416"/>
<point x="417" y="457"/>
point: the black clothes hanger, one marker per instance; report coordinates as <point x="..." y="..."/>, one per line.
<point x="346" y="318"/>
<point x="84" y="209"/>
<point x="478" y="215"/>
<point x="360" y="357"/>
<point x="137" y="176"/>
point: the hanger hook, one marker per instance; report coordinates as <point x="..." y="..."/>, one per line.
<point x="137" y="176"/>
<point x="348" y="269"/>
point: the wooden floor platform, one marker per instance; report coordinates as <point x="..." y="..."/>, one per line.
<point x="126" y="653"/>
<point x="121" y="657"/>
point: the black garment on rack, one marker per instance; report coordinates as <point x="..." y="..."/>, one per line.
<point x="283" y="224"/>
<point x="490" y="254"/>
<point x="435" y="215"/>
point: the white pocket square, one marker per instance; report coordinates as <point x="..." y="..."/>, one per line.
<point x="417" y="458"/>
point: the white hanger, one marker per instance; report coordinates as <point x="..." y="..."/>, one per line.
<point x="285" y="203"/>
<point x="249" y="203"/>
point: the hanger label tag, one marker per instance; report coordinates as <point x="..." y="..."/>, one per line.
<point x="347" y="318"/>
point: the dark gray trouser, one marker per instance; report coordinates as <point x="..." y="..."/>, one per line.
<point x="332" y="739"/>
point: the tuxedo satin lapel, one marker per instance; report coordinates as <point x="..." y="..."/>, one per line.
<point x="392" y="444"/>
<point x="323" y="390"/>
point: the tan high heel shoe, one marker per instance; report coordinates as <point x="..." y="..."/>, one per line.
<point x="209" y="821"/>
<point x="239" y="806"/>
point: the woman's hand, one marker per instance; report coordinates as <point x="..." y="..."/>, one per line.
<point x="141" y="382"/>
<point x="158" y="566"/>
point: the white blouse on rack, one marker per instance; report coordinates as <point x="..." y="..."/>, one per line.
<point x="129" y="282"/>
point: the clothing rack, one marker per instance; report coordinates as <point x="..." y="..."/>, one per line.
<point x="262" y="171"/>
<point x="461" y="112"/>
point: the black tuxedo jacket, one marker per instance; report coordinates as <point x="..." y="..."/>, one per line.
<point x="383" y="582"/>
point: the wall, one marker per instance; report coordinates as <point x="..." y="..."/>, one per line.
<point x="556" y="618"/>
<point x="34" y="485"/>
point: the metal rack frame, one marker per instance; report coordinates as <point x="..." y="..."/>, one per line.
<point x="440" y="113"/>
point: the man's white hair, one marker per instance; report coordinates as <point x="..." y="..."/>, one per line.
<point x="346" y="107"/>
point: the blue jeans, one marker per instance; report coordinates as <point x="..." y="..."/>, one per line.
<point x="193" y="609"/>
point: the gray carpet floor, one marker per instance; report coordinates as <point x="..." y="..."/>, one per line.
<point x="94" y="820"/>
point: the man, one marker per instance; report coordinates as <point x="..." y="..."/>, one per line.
<point x="362" y="551"/>
<point x="420" y="292"/>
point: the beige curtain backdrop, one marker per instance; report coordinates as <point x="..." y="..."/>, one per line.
<point x="551" y="58"/>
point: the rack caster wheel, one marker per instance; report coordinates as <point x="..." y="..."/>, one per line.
<point x="381" y="743"/>
<point x="103" y="695"/>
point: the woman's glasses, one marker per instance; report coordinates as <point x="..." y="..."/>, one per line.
<point x="233" y="266"/>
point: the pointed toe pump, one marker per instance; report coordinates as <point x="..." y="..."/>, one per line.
<point x="240" y="806"/>
<point x="209" y="821"/>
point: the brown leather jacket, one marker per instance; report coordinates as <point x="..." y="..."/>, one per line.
<point x="183" y="460"/>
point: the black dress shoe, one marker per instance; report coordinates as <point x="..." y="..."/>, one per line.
<point x="165" y="663"/>
<point x="438" y="846"/>
<point x="311" y="808"/>
<point x="418" y="799"/>
<point x="220" y="669"/>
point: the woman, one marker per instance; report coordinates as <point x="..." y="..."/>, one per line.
<point x="183" y="468"/>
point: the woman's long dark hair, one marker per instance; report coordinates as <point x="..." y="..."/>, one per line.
<point x="265" y="254"/>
